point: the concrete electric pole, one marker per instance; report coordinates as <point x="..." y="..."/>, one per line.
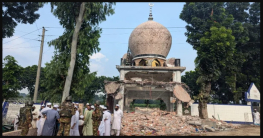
<point x="39" y="66"/>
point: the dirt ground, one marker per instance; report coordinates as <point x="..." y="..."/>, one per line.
<point x="244" y="130"/>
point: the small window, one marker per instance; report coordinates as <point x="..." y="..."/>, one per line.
<point x="155" y="63"/>
<point x="143" y="62"/>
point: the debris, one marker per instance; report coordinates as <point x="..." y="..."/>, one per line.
<point x="194" y="123"/>
<point x="151" y="122"/>
<point x="209" y="129"/>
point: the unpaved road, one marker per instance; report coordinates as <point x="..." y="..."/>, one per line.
<point x="244" y="130"/>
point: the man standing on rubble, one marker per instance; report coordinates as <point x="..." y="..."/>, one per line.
<point x="256" y="116"/>
<point x="116" y="125"/>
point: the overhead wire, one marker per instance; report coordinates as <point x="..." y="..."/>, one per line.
<point x="24" y="42"/>
<point x="22" y="47"/>
<point x="128" y="28"/>
<point x="20" y="36"/>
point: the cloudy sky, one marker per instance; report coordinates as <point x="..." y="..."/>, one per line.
<point x="25" y="47"/>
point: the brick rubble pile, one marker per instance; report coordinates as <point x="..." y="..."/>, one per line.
<point x="157" y="122"/>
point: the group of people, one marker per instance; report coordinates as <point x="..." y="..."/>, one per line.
<point x="97" y="120"/>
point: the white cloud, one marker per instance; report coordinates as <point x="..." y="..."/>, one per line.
<point x="24" y="52"/>
<point x="96" y="67"/>
<point x="24" y="91"/>
<point x="96" y="63"/>
<point x="97" y="56"/>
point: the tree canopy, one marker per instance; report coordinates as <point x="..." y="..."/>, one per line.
<point x="238" y="74"/>
<point x="12" y="73"/>
<point x="220" y="33"/>
<point x="18" y="12"/>
<point x="87" y="44"/>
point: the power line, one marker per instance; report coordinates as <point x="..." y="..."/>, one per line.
<point x="37" y="27"/>
<point x="22" y="47"/>
<point x="112" y="34"/>
<point x="30" y="38"/>
<point x="20" y="36"/>
<point x="24" y="42"/>
<point x="24" y="32"/>
<point x="126" y="43"/>
<point x="128" y="28"/>
<point x="48" y="49"/>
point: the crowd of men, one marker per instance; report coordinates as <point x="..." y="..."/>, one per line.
<point x="66" y="120"/>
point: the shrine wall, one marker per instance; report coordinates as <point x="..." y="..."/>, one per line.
<point x="230" y="113"/>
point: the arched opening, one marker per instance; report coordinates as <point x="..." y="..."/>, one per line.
<point x="143" y="62"/>
<point x="155" y="63"/>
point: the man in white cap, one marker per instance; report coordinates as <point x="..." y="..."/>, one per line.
<point x="40" y="121"/>
<point x="116" y="125"/>
<point x="79" y="110"/>
<point x="43" y="118"/>
<point x="74" y="124"/>
<point x="92" y="107"/>
<point x="81" y="124"/>
<point x="50" y="123"/>
<point x="86" y="107"/>
<point x="88" y="127"/>
<point x="107" y="120"/>
<point x="35" y="116"/>
<point x="256" y="116"/>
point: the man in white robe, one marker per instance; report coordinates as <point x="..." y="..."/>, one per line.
<point x="39" y="116"/>
<point x="35" y="116"/>
<point x="102" y="125"/>
<point x="256" y="116"/>
<point x="74" y="130"/>
<point x="81" y="124"/>
<point x="116" y="125"/>
<point x="42" y="119"/>
<point x="107" y="120"/>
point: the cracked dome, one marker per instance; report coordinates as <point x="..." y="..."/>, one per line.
<point x="150" y="38"/>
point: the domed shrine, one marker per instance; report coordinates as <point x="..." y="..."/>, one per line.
<point x="145" y="73"/>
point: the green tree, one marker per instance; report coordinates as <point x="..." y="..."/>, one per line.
<point x="238" y="75"/>
<point x="18" y="12"/>
<point x="189" y="79"/>
<point x="251" y="67"/>
<point x="12" y="73"/>
<point x="216" y="49"/>
<point x="209" y="33"/>
<point x="81" y="24"/>
<point x="28" y="79"/>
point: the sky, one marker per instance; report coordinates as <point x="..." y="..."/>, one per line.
<point x="25" y="48"/>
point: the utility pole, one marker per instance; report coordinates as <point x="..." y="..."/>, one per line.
<point x="39" y="66"/>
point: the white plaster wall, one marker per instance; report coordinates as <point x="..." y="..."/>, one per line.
<point x="178" y="76"/>
<point x="254" y="93"/>
<point x="226" y="112"/>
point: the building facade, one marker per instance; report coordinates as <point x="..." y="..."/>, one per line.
<point x="145" y="73"/>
